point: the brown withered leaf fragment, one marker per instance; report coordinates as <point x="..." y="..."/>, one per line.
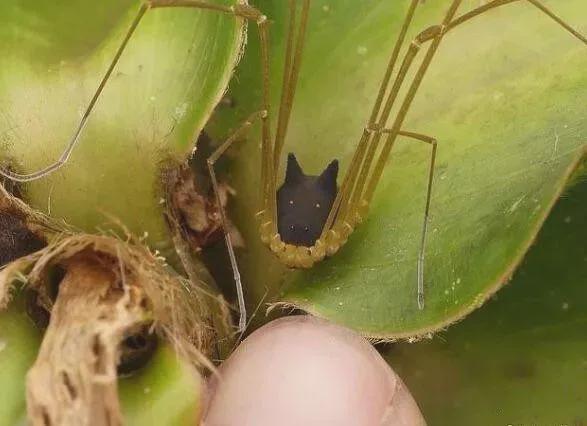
<point x="198" y="213"/>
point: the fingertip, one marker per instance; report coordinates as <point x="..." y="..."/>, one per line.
<point x="304" y="370"/>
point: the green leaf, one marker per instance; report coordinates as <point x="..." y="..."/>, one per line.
<point x="19" y="342"/>
<point x="521" y="358"/>
<point x="505" y="98"/>
<point x="166" y="391"/>
<point x="173" y="72"/>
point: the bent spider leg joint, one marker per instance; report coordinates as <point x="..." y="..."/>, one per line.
<point x="303" y="203"/>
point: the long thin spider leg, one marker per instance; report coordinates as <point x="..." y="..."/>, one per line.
<point x="413" y="88"/>
<point x="425" y="36"/>
<point x="268" y="183"/>
<point x="438" y="31"/>
<point x="497" y="3"/>
<point x="558" y="20"/>
<point x="436" y="39"/>
<point x="392" y="61"/>
<point x="211" y="161"/>
<point x="354" y="201"/>
<point x="241" y="11"/>
<point x="351" y="199"/>
<point x="434" y="34"/>
<point x="267" y="173"/>
<point x="359" y="155"/>
<point x="289" y="93"/>
<point x="268" y="176"/>
<point x="422" y="251"/>
<point x="64" y="157"/>
<point x="289" y="52"/>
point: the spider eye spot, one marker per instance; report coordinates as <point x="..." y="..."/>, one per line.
<point x="291" y="202"/>
<point x="292" y="228"/>
<point x="306" y="228"/>
<point x="317" y="205"/>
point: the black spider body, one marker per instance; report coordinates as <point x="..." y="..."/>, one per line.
<point x="304" y="202"/>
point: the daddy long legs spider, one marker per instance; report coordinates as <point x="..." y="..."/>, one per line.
<point x="311" y="217"/>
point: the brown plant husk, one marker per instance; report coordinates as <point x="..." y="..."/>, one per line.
<point x="110" y="289"/>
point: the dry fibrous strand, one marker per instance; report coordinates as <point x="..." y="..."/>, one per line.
<point x="114" y="301"/>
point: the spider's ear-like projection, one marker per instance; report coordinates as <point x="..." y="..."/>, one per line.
<point x="327" y="179"/>
<point x="293" y="171"/>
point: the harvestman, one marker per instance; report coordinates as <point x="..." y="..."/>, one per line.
<point x="310" y="217"/>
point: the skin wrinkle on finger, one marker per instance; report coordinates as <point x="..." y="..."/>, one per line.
<point x="304" y="370"/>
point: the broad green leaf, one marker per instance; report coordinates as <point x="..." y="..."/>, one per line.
<point x="166" y="391"/>
<point x="521" y="358"/>
<point x="19" y="342"/>
<point x="504" y="96"/>
<point x="173" y="72"/>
